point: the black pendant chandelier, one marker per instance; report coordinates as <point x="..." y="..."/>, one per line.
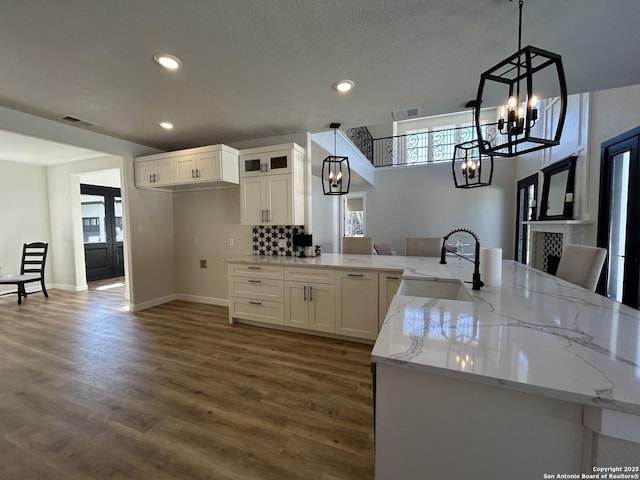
<point x="516" y="79"/>
<point x="470" y="169"/>
<point x="336" y="173"/>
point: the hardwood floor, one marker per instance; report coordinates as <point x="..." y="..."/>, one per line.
<point x="89" y="390"/>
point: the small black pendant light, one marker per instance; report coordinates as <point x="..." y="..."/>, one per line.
<point x="336" y="173"/>
<point x="470" y="169"/>
<point x="519" y="114"/>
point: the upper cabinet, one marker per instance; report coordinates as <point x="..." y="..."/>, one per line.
<point x="191" y="169"/>
<point x="272" y="185"/>
<point x="260" y="162"/>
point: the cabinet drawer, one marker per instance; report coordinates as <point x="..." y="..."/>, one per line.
<point x="318" y="275"/>
<point x="256" y="288"/>
<point x="257" y="310"/>
<point x="256" y="271"/>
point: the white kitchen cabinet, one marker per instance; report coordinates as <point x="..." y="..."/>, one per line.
<point x="267" y="200"/>
<point x="388" y="284"/>
<point x="357" y="304"/>
<point x="154" y="172"/>
<point x="256" y="292"/>
<point x="310" y="298"/>
<point x="310" y="306"/>
<point x="268" y="196"/>
<point x="259" y="162"/>
<point x="192" y="168"/>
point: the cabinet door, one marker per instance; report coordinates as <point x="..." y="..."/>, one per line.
<point x="388" y="283"/>
<point x="164" y="170"/>
<point x="185" y="169"/>
<point x="358" y="304"/>
<point x="251" y="165"/>
<point x="251" y="201"/>
<point x="278" y="162"/>
<point x="144" y="173"/>
<point x="322" y="307"/>
<point x="279" y="199"/>
<point x="296" y="304"/>
<point x="208" y="166"/>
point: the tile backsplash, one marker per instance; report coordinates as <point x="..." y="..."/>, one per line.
<point x="266" y="239"/>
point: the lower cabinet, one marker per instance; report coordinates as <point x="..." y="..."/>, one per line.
<point x="346" y="302"/>
<point x="388" y="284"/>
<point x="256" y="292"/>
<point x="357" y="300"/>
<point x="310" y="305"/>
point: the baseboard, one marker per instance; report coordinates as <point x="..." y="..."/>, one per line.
<point x="152" y="303"/>
<point x="72" y="288"/>
<point x="223" y="302"/>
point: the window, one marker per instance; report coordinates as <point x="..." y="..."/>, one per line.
<point x="354" y="215"/>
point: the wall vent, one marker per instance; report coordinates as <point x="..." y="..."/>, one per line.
<point x="406" y="113"/>
<point x="77" y="121"/>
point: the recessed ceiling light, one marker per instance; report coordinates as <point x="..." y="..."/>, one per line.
<point x="343" y="86"/>
<point x="166" y="125"/>
<point x="168" y="61"/>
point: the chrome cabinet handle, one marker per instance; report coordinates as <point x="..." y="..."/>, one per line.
<point x="250" y="267"/>
<point x="310" y="293"/>
<point x="392" y="278"/>
<point x="197" y="173"/>
<point x="304" y="293"/>
<point x="150" y="179"/>
<point x="359" y="275"/>
<point x="254" y="303"/>
<point x="254" y="281"/>
<point x="193" y="173"/>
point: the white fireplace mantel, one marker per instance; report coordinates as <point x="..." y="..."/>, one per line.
<point x="573" y="231"/>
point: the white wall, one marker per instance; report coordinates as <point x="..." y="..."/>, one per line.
<point x="422" y="201"/>
<point x="204" y="221"/>
<point x="24" y="216"/>
<point x="325" y="217"/>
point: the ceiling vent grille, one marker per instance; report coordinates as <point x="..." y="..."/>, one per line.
<point x="77" y="121"/>
<point x="406" y="113"/>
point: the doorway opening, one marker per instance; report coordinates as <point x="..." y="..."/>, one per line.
<point x="102" y="231"/>
<point x="618" y="228"/>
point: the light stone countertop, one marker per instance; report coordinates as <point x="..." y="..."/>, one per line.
<point x="536" y="333"/>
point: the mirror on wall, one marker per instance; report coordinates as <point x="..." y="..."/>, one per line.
<point x="557" y="190"/>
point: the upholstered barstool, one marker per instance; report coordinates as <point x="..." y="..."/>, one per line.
<point x="357" y="245"/>
<point x="581" y="265"/>
<point x="423" y="246"/>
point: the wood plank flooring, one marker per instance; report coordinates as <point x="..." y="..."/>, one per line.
<point x="89" y="390"/>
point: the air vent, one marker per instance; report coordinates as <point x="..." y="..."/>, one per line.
<point x="406" y="113"/>
<point x="77" y="121"/>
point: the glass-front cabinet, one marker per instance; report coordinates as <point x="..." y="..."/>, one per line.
<point x="270" y="163"/>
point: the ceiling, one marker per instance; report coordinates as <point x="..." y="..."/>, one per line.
<point x="255" y="68"/>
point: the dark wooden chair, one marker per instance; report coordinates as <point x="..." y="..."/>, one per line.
<point x="34" y="256"/>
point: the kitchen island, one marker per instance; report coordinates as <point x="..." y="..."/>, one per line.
<point x="535" y="377"/>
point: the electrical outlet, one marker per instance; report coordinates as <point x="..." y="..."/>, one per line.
<point x="282" y="242"/>
<point x="231" y="242"/>
<point x="203" y="264"/>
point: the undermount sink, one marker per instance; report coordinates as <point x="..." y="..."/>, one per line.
<point x="448" y="289"/>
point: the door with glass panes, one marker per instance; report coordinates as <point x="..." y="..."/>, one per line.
<point x="102" y="231"/>
<point x="619" y="215"/>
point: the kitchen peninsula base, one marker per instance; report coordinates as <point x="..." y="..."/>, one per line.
<point x="456" y="429"/>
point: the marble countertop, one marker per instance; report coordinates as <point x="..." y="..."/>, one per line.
<point x="536" y="333"/>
